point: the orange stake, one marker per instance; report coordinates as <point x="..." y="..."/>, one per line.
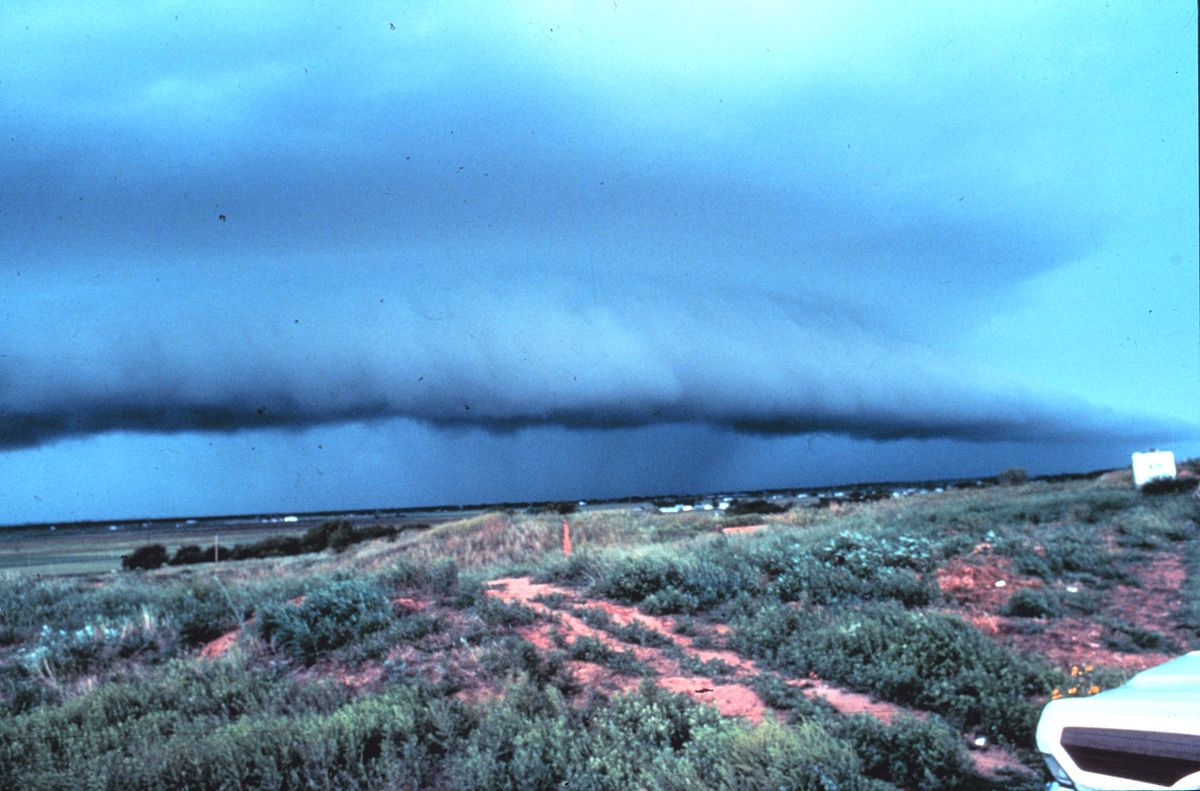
<point x="566" y="538"/>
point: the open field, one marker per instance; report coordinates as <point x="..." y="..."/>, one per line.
<point x="97" y="548"/>
<point x="870" y="645"/>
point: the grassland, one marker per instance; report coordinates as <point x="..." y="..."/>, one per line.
<point x="871" y="645"/>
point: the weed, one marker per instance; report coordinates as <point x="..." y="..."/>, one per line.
<point x="589" y="649"/>
<point x="330" y="616"/>
<point x="1122" y="636"/>
<point x="1033" y="603"/>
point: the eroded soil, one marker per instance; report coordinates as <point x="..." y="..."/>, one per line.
<point x="731" y="692"/>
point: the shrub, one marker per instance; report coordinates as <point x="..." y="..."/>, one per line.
<point x="849" y="566"/>
<point x="1069" y="551"/>
<point x="1013" y="476"/>
<point x="1122" y="636"/>
<point x="928" y="660"/>
<point x="271" y="547"/>
<point x="589" y="649"/>
<point x="329" y="618"/>
<point x="665" y="584"/>
<point x="150" y="556"/>
<point x="1152" y="528"/>
<point x="511" y="657"/>
<point x="744" y="507"/>
<point x="1169" y="486"/>
<point x="774" y="756"/>
<point x="439" y="579"/>
<point x="202" y="613"/>
<point x="22" y="691"/>
<point x="190" y="555"/>
<point x="1033" y="603"/>
<point x="909" y="752"/>
<point x="60" y="653"/>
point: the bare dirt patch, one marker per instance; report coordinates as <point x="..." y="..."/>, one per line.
<point x="219" y="647"/>
<point x="981" y="580"/>
<point x="731" y="694"/>
<point x="970" y="585"/>
<point x="739" y="529"/>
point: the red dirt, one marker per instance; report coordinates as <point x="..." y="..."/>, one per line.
<point x="357" y="679"/>
<point x="969" y="583"/>
<point x="991" y="761"/>
<point x="729" y="695"/>
<point x="847" y="701"/>
<point x="729" y="531"/>
<point x="409" y="604"/>
<point x="219" y="647"/>
<point x="730" y="698"/>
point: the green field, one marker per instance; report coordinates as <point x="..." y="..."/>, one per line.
<point x="96" y="549"/>
<point x="399" y="663"/>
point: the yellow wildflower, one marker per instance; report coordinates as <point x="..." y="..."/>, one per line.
<point x="1093" y="689"/>
<point x="1072" y="690"/>
<point x="1074" y="670"/>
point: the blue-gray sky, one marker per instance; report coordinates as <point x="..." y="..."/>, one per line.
<point x="290" y="256"/>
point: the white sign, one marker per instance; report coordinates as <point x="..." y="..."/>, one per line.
<point x="1151" y="465"/>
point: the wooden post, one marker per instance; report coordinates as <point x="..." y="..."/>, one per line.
<point x="566" y="541"/>
<point x="216" y="549"/>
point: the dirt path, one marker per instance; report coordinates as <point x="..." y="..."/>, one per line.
<point x="731" y="695"/>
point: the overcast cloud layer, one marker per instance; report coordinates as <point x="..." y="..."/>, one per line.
<point x="942" y="222"/>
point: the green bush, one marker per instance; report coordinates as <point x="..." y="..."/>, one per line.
<point x="773" y="756"/>
<point x="909" y="752"/>
<point x="662" y="583"/>
<point x="1169" y="486"/>
<point x="22" y="691"/>
<point x="434" y="579"/>
<point x="1033" y="603"/>
<point x="589" y="649"/>
<point x="150" y="556"/>
<point x="93" y="647"/>
<point x="1068" y="553"/>
<point x="203" y="613"/>
<point x="330" y="617"/>
<point x="744" y="507"/>
<point x="850" y="566"/>
<point x="927" y="660"/>
<point x="191" y="554"/>
<point x="1127" y="637"/>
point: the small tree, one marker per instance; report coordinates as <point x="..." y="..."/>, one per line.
<point x="150" y="556"/>
<point x="1013" y="476"/>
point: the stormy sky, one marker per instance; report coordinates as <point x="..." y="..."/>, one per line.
<point x="296" y="257"/>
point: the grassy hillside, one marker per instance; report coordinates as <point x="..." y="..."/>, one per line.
<point x="943" y="618"/>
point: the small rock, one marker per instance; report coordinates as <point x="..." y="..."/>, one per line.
<point x="1000" y="583"/>
<point x="981" y="742"/>
<point x="1072" y="589"/>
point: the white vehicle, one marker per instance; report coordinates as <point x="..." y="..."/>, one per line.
<point x="1144" y="734"/>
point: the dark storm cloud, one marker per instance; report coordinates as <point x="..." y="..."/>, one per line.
<point x="500" y="356"/>
<point x="258" y="221"/>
